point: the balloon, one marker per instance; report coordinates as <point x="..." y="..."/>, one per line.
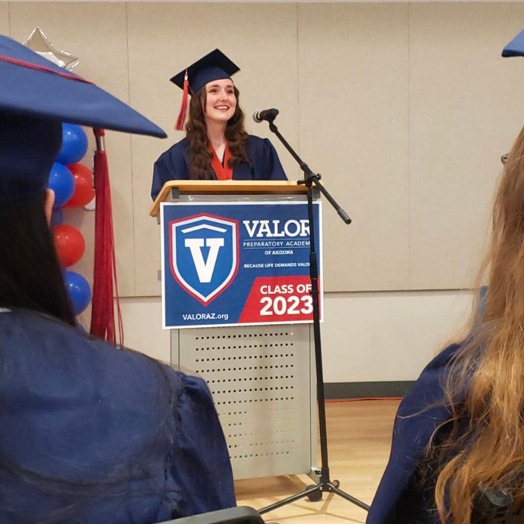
<point x="79" y="291"/>
<point x="69" y="244"/>
<point x="57" y="217"/>
<point x="61" y="181"/>
<point x="74" y="144"/>
<point x="84" y="191"/>
<point x="39" y="43"/>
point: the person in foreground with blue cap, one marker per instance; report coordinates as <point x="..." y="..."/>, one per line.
<point x="457" y="455"/>
<point x="88" y="433"/>
<point x="216" y="147"/>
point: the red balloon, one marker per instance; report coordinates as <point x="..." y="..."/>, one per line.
<point x="84" y="191"/>
<point x="69" y="244"/>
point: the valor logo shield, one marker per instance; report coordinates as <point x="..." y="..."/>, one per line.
<point x="204" y="254"/>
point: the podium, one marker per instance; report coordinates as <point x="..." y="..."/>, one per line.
<point x="262" y="377"/>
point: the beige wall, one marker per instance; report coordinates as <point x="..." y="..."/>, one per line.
<point x="157" y="54"/>
<point x="366" y="337"/>
<point x="353" y="63"/>
<point x="98" y="35"/>
<point x="404" y="108"/>
<point x="465" y="111"/>
<point x="4" y="18"/>
<point x="280" y="1"/>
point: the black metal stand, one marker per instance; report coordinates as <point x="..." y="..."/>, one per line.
<point x="314" y="493"/>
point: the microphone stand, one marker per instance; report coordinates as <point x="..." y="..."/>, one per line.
<point x="314" y="493"/>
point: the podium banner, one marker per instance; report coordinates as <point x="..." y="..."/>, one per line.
<point x="237" y="263"/>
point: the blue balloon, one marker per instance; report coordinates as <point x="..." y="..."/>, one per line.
<point x="57" y="218"/>
<point x="62" y="182"/>
<point x="79" y="291"/>
<point x="74" y="144"/>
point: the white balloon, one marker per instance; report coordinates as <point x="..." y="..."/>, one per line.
<point x="39" y="43"/>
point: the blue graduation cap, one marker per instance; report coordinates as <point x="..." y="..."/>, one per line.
<point x="213" y="66"/>
<point x="515" y="47"/>
<point x="36" y="96"/>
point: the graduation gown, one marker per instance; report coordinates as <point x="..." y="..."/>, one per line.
<point x="119" y="437"/>
<point x="400" y="498"/>
<point x="174" y="164"/>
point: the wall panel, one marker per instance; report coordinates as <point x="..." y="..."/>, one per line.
<point x="405" y="109"/>
<point x="367" y="337"/>
<point x="163" y="40"/>
<point x="96" y="33"/>
<point x="353" y="72"/>
<point x="4" y="18"/>
<point x="465" y="110"/>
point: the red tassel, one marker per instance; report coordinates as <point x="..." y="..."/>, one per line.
<point x="183" y="106"/>
<point x="105" y="285"/>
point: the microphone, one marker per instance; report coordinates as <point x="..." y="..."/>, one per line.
<point x="266" y="114"/>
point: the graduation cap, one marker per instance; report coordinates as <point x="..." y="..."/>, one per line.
<point x="515" y="47"/>
<point x="36" y="96"/>
<point x="213" y="66"/>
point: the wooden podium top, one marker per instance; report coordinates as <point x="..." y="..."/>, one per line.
<point x="210" y="187"/>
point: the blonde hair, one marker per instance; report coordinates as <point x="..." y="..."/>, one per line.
<point x="485" y="445"/>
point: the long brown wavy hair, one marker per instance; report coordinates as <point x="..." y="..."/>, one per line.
<point x="196" y="128"/>
<point x="483" y="446"/>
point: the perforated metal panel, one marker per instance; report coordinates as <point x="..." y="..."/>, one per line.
<point x="262" y="383"/>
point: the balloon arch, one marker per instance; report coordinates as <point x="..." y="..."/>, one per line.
<point x="72" y="183"/>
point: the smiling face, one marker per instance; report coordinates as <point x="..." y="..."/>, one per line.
<point x="221" y="101"/>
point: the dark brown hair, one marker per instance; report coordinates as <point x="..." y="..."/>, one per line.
<point x="196" y="128"/>
<point x="30" y="274"/>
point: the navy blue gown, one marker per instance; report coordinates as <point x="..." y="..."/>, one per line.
<point x="100" y="435"/>
<point x="174" y="164"/>
<point x="400" y="497"/>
